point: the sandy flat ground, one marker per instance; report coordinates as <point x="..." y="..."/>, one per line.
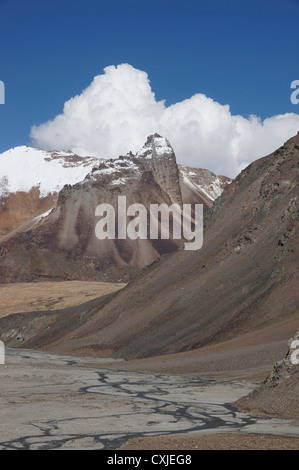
<point x="219" y="441"/>
<point x="27" y="297"/>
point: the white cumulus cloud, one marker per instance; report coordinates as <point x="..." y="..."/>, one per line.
<point x="118" y="110"/>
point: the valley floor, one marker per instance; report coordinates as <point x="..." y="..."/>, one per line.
<point x="66" y="402"/>
<point x="172" y="402"/>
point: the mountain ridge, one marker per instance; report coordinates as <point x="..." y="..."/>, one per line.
<point x="62" y="224"/>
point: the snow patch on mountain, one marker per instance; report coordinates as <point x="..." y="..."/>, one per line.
<point x="208" y="183"/>
<point x="23" y="167"/>
<point x="37" y="219"/>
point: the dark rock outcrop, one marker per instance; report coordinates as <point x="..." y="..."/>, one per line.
<point x="279" y="394"/>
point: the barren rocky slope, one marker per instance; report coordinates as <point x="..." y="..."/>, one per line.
<point x="243" y="280"/>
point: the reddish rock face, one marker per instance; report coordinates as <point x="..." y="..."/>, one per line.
<point x="17" y="210"/>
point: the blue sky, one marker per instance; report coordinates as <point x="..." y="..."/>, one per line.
<point x="240" y="53"/>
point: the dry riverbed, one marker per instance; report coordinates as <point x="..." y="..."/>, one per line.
<point x="66" y="402"/>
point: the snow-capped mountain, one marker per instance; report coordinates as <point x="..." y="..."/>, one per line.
<point x="49" y="201"/>
<point x="23" y="168"/>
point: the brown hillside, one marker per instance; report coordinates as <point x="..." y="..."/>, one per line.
<point x="244" y="278"/>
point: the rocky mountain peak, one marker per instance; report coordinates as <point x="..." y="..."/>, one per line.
<point x="155" y="147"/>
<point x="158" y="157"/>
